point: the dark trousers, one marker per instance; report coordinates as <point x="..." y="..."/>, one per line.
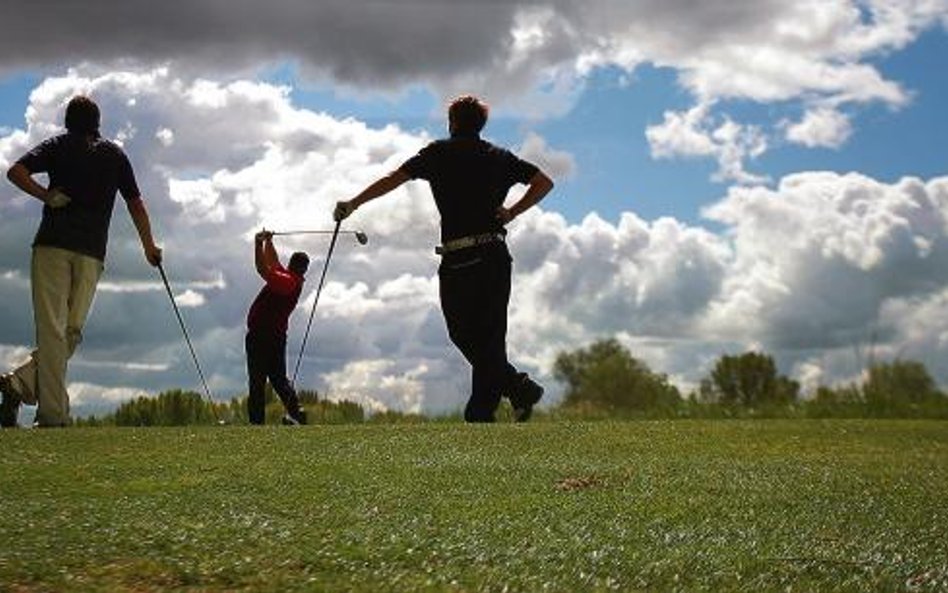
<point x="266" y="359"/>
<point x="475" y="290"/>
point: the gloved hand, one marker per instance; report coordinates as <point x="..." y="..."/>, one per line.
<point x="263" y="235"/>
<point x="57" y="199"/>
<point x="343" y="210"/>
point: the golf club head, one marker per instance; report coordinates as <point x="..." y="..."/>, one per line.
<point x="361" y="237"/>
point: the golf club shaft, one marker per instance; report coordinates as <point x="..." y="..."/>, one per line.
<point x="319" y="289"/>
<point x="312" y="232"/>
<point x="187" y="338"/>
<point x="361" y="237"/>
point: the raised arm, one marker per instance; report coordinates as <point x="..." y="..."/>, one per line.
<point x="139" y="214"/>
<point x="540" y="185"/>
<point x="377" y="189"/>
<point x="265" y="255"/>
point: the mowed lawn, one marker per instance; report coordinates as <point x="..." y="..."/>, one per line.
<point x="558" y="506"/>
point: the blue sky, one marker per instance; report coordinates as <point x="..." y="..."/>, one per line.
<point x="615" y="171"/>
<point x="761" y="174"/>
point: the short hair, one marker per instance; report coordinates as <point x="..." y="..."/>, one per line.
<point x="299" y="263"/>
<point x="82" y="115"/>
<point x="468" y="114"/>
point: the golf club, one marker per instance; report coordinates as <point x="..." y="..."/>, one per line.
<point x="361" y="237"/>
<point x="187" y="339"/>
<point x="319" y="289"/>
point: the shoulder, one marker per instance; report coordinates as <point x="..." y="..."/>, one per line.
<point x="40" y="157"/>
<point x="435" y="147"/>
<point x="426" y="158"/>
<point x="110" y="147"/>
<point x="53" y="143"/>
<point x="110" y="151"/>
<point x="494" y="149"/>
<point x="283" y="281"/>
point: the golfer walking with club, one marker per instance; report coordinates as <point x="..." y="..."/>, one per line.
<point x="85" y="172"/>
<point x="470" y="179"/>
<point x="267" y="323"/>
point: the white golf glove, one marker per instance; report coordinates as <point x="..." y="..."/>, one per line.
<point x="57" y="199"/>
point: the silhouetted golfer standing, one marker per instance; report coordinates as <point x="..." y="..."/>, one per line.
<point x="470" y="179"/>
<point x="267" y="323"/>
<point x="85" y="172"/>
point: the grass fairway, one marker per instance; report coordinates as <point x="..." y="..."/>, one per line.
<point x="686" y="505"/>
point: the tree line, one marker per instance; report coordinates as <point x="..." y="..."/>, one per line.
<point x="604" y="380"/>
<point x="183" y="408"/>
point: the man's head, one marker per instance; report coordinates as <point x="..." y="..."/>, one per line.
<point x="299" y="263"/>
<point x="82" y="116"/>
<point x="467" y="116"/>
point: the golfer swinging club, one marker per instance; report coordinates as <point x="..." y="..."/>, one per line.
<point x="267" y="323"/>
<point x="470" y="178"/>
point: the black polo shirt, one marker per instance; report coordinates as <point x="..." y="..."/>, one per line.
<point x="469" y="179"/>
<point x="90" y="174"/>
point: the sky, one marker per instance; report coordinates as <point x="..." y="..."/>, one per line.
<point x="765" y="175"/>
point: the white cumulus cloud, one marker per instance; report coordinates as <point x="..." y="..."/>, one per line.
<point x="823" y="127"/>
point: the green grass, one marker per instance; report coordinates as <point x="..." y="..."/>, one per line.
<point x="561" y="506"/>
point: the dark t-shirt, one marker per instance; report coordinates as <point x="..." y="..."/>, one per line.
<point x="90" y="174"/>
<point x="270" y="312"/>
<point x="469" y="179"/>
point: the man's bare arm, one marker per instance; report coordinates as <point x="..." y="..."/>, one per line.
<point x="139" y="214"/>
<point x="540" y="185"/>
<point x="265" y="255"/>
<point x="21" y="177"/>
<point x="375" y="190"/>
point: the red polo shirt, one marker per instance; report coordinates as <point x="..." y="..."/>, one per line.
<point x="270" y="311"/>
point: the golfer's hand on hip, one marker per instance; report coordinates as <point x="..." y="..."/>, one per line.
<point x="57" y="199"/>
<point x="503" y="215"/>
<point x="343" y="210"/>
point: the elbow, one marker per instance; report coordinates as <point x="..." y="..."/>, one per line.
<point x="135" y="205"/>
<point x="543" y="182"/>
<point x="14" y="173"/>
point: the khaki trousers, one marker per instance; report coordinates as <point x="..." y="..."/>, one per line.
<point x="63" y="285"/>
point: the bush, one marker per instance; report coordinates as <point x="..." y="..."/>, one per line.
<point x="169" y="408"/>
<point x="748" y="380"/>
<point x="899" y="388"/>
<point x="605" y="377"/>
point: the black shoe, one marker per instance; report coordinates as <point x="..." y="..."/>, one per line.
<point x="524" y="394"/>
<point x="10" y="406"/>
<point x="297" y="418"/>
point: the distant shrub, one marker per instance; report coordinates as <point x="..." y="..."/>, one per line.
<point x="605" y="377"/>
<point x="169" y="408"/>
<point x="897" y="389"/>
<point x="748" y="380"/>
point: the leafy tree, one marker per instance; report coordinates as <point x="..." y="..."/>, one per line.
<point x="749" y="379"/>
<point x="605" y="376"/>
<point x="898" y="385"/>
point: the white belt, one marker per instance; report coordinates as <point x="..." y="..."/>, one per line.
<point x="469" y="241"/>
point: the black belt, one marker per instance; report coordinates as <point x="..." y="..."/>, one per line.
<point x="469" y="241"/>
